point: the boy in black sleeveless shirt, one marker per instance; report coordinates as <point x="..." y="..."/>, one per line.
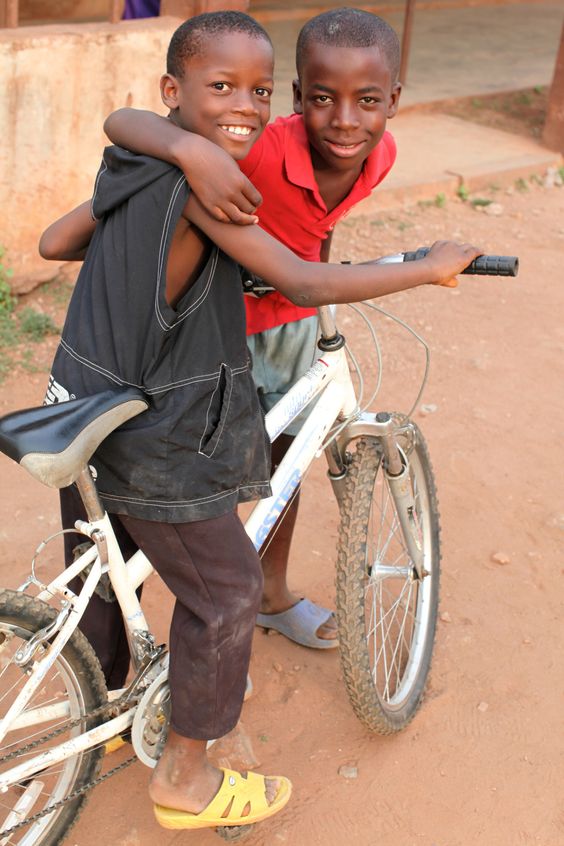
<point x="158" y="304"/>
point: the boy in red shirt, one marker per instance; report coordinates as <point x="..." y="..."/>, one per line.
<point x="310" y="168"/>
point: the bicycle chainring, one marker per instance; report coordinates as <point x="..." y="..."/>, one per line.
<point x="150" y="724"/>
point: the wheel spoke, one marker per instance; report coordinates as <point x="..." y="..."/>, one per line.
<point x="56" y="705"/>
<point x="399" y="609"/>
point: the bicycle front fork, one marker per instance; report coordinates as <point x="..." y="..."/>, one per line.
<point x="397" y="471"/>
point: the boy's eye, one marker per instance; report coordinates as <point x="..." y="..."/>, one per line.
<point x="263" y="92"/>
<point x="322" y="98"/>
<point x="369" y="101"/>
<point x="220" y="86"/>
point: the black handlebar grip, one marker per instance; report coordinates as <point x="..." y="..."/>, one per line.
<point x="482" y="266"/>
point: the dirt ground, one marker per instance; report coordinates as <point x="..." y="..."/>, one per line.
<point x="481" y="763"/>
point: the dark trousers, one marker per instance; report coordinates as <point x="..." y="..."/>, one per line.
<point x="215" y="574"/>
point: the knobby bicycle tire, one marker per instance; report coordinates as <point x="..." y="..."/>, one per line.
<point x="75" y="674"/>
<point x="386" y="618"/>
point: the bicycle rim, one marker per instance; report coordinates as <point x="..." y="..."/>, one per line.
<point x="387" y="617"/>
<point x="68" y="688"/>
<point x="399" y="607"/>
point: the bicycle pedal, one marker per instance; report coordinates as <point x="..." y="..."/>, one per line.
<point x="115" y="743"/>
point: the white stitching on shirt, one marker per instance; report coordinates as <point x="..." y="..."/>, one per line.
<point x="204" y="377"/>
<point x="103" y="169"/>
<point x="223" y="414"/>
<point x="213" y="265"/>
<point x="175" y="191"/>
<point x="183" y="502"/>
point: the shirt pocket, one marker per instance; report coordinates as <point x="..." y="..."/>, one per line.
<point x="218" y="410"/>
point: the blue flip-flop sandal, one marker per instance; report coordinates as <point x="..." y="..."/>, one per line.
<point x="300" y="623"/>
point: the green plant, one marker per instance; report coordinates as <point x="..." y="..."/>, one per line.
<point x="463" y="192"/>
<point x="7" y="299"/>
<point x="8" y="331"/>
<point x="58" y="291"/>
<point x="29" y="363"/>
<point x="539" y="89"/>
<point x="440" y="200"/>
<point x="36" y="325"/>
<point x="561" y="173"/>
<point x="19" y="325"/>
<point x="405" y="224"/>
<point x="481" y="201"/>
<point x="521" y="184"/>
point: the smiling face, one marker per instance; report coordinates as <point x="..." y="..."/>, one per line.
<point x="225" y="92"/>
<point x="346" y="95"/>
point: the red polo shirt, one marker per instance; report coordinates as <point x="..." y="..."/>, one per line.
<point x="292" y="210"/>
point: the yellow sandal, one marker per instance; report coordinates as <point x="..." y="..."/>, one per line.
<point x="235" y="793"/>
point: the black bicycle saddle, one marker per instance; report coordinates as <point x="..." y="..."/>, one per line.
<point x="55" y="442"/>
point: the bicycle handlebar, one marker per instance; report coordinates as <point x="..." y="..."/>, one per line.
<point x="482" y="266"/>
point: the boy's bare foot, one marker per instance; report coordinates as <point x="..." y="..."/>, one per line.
<point x="185" y="780"/>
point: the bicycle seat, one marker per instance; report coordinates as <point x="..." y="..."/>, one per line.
<point x="55" y="442"/>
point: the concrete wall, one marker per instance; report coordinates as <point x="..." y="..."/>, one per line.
<point x="57" y="10"/>
<point x="59" y="82"/>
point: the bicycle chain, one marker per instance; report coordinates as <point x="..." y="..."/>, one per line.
<point x="107" y="706"/>
<point x="17" y="753"/>
<point x="74" y="795"/>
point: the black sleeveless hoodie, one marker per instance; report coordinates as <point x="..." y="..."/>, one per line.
<point x="201" y="447"/>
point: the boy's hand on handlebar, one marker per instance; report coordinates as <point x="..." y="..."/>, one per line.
<point x="449" y="258"/>
<point x="223" y="190"/>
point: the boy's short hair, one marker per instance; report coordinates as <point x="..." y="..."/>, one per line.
<point x="191" y="36"/>
<point x="346" y="27"/>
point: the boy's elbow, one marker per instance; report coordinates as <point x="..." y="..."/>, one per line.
<point x="45" y="248"/>
<point x="109" y="123"/>
<point x="306" y="297"/>
<point x="48" y="246"/>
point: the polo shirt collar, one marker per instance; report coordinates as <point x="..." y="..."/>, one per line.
<point x="297" y="158"/>
<point x="299" y="167"/>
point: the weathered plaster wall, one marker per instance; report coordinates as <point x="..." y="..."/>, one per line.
<point x="59" y="82"/>
<point x="56" y="10"/>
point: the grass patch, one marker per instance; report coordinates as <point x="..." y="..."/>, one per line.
<point x="462" y="192"/>
<point x="19" y="327"/>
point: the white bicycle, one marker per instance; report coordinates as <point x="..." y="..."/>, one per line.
<point x="55" y="711"/>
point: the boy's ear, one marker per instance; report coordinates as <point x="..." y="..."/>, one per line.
<point x="298" y="102"/>
<point x="169" y="91"/>
<point x="394" y="99"/>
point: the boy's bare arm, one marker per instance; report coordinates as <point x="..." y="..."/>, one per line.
<point x="313" y="283"/>
<point x="212" y="174"/>
<point x="68" y="238"/>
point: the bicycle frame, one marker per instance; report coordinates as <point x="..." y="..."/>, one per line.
<point x="328" y="380"/>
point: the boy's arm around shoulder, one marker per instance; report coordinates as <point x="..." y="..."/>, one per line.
<point x="68" y="238"/>
<point x="309" y="284"/>
<point x="212" y="174"/>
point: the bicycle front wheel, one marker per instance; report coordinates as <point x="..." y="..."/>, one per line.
<point x="386" y="615"/>
<point x="72" y="688"/>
